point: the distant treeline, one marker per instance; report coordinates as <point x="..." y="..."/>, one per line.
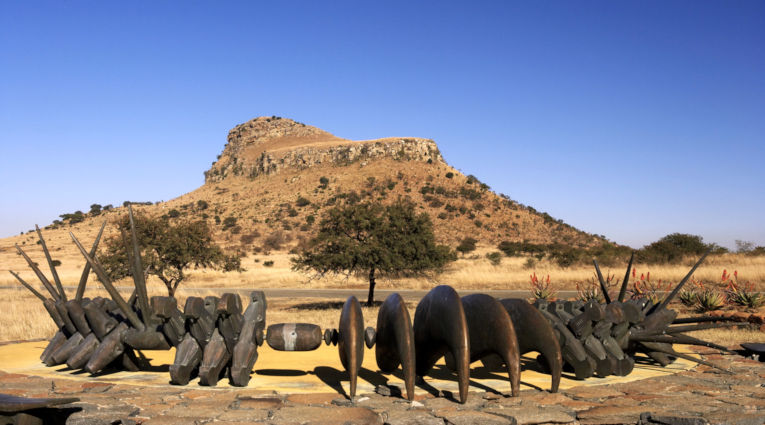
<point x="669" y="249"/>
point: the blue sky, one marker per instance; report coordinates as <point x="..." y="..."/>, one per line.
<point x="627" y="119"/>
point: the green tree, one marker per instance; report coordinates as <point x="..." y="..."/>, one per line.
<point x="168" y="249"/>
<point x="374" y="240"/>
<point x="673" y="248"/>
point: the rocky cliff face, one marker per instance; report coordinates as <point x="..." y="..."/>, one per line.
<point x="268" y="145"/>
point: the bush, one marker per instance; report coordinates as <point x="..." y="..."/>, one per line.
<point x="174" y="213"/>
<point x="229" y="222"/>
<point x="466" y="245"/>
<point x="470" y="194"/>
<point x="202" y="205"/>
<point x="268" y="263"/>
<point x="449" y="175"/>
<point x="301" y="202"/>
<point x="323" y="182"/>
<point x="310" y="219"/>
<point x="274" y="241"/>
<point x="494" y="257"/>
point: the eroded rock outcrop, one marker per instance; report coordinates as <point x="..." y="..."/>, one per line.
<point x="267" y="145"/>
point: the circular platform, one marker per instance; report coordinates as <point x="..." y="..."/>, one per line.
<point x="320" y="371"/>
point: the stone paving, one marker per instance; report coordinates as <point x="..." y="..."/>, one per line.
<point x="698" y="396"/>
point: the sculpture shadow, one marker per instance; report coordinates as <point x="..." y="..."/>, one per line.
<point x="332" y="377"/>
<point x="325" y="305"/>
<point x="281" y="372"/>
<point x="48" y="415"/>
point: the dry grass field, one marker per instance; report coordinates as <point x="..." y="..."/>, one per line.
<point x="473" y="271"/>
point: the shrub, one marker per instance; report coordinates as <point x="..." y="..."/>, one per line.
<point x="494" y="257"/>
<point x="310" y="219"/>
<point x="95" y="209"/>
<point x="292" y="212"/>
<point x="229" y="222"/>
<point x="466" y="245"/>
<point x="268" y="263"/>
<point x="442" y="215"/>
<point x="202" y="205"/>
<point x="174" y="213"/>
<point x="449" y="175"/>
<point x="274" y="241"/>
<point x="470" y="194"/>
<point x="323" y="182"/>
<point x="301" y="202"/>
<point x="435" y="203"/>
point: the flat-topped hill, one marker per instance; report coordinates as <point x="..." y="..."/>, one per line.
<point x="276" y="177"/>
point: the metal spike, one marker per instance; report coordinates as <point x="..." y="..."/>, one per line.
<point x="86" y="270"/>
<point x="28" y="286"/>
<point x="104" y="278"/>
<point x="700" y="327"/>
<point x="623" y="289"/>
<point x="603" y="287"/>
<point x="138" y="277"/>
<point x="672" y="352"/>
<point x="53" y="271"/>
<point x="700" y="319"/>
<point x="39" y="274"/>
<point x="674" y="292"/>
<point x="677" y="339"/>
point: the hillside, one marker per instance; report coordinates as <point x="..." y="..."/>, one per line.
<point x="275" y="178"/>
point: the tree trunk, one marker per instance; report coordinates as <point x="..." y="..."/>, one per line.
<point x="371" y="297"/>
<point x="168" y="284"/>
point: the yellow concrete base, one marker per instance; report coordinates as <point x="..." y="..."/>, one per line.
<point x="318" y="371"/>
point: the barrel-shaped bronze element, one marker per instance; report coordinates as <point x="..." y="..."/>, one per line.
<point x="294" y="336"/>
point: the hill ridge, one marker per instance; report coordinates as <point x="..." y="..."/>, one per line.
<point x="267" y="145"/>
